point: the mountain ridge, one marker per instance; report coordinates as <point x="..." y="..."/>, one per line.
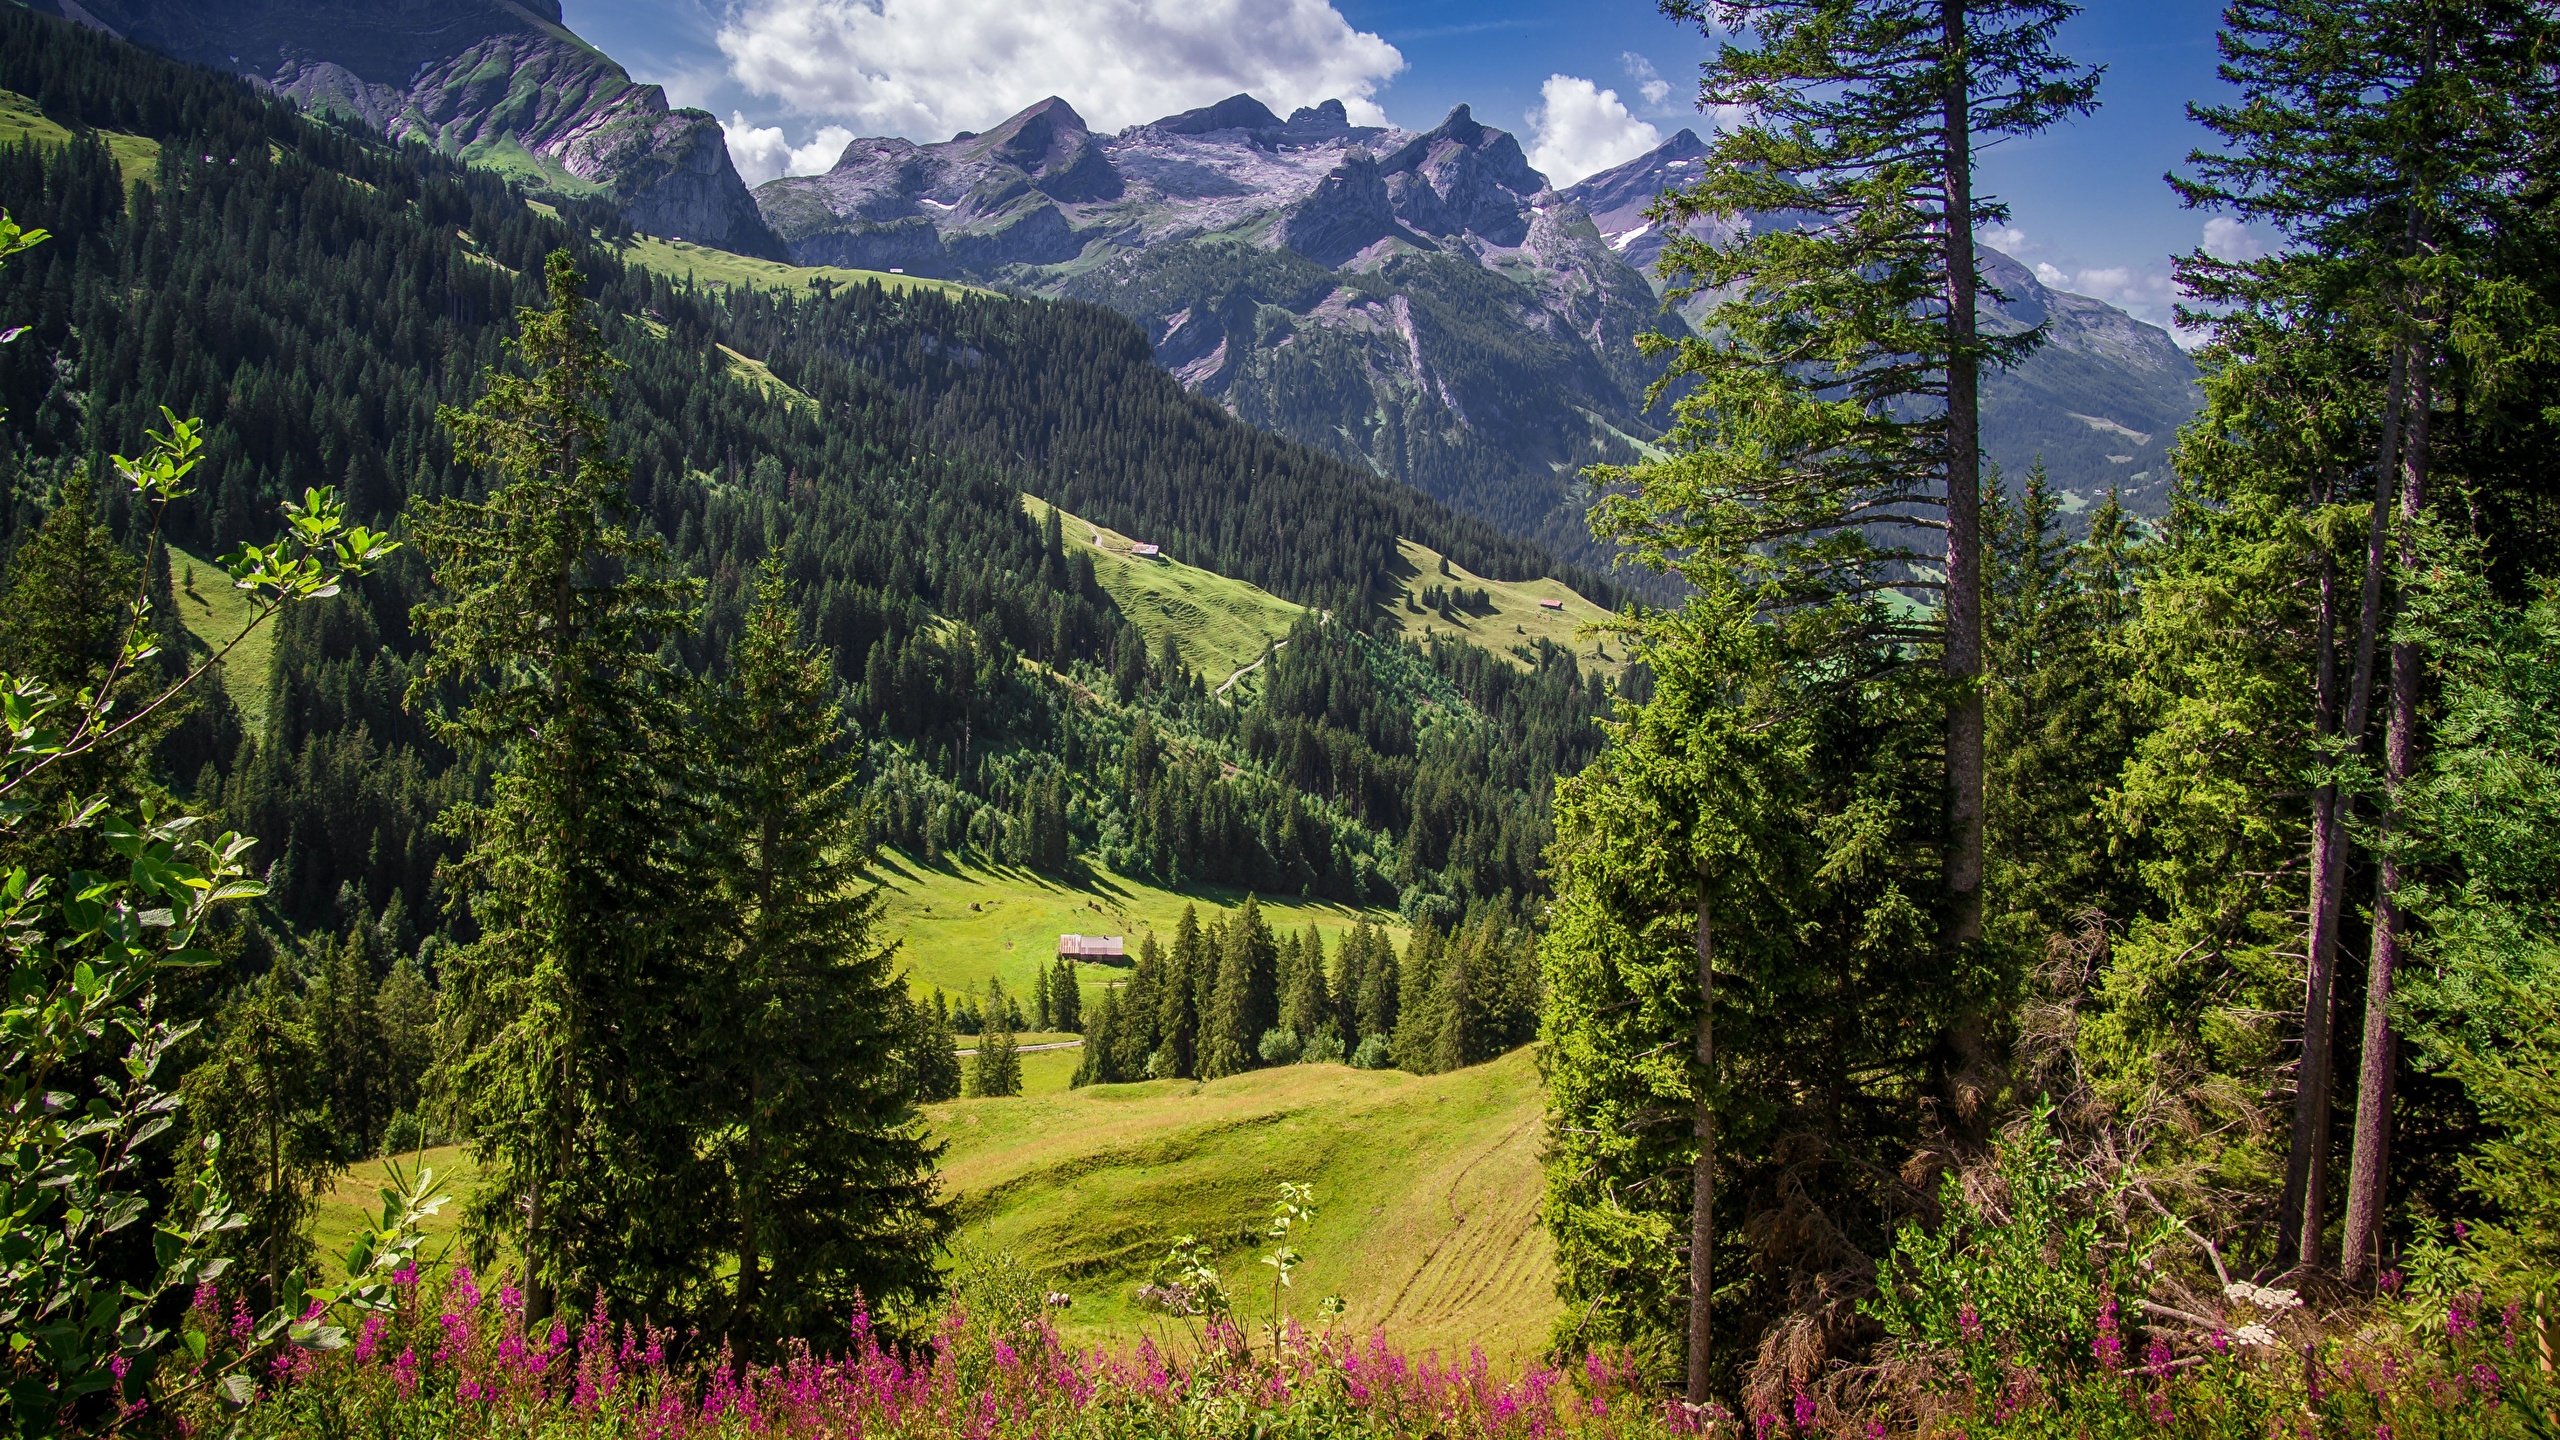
<point x="503" y="82"/>
<point x="1421" y="302"/>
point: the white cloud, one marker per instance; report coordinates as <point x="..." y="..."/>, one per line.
<point x="926" y="68"/>
<point x="1649" y="81"/>
<point x="761" y="153"/>
<point x="2228" y="239"/>
<point x="1580" y="128"/>
<point x="2052" y="274"/>
<point x="2011" y="241"/>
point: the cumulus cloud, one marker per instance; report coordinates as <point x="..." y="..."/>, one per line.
<point x="763" y="152"/>
<point x="1649" y="81"/>
<point x="926" y="68"/>
<point x="2053" y="274"/>
<point x="2228" y="239"/>
<point x="1578" y="128"/>
<point x="2011" y="241"/>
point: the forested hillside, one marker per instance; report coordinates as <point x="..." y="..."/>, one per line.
<point x="315" y="296"/>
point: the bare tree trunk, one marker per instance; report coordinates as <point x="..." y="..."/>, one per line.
<point x="2306" y="1161"/>
<point x="2374" y="1076"/>
<point x="1963" y="659"/>
<point x="1702" y="1176"/>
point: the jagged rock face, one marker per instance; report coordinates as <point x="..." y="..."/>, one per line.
<point x="2099" y="404"/>
<point x="477" y="78"/>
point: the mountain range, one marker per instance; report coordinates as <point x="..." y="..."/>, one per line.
<point x="499" y="82"/>
<point x="1424" y="304"/>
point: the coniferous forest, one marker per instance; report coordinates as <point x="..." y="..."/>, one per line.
<point x="1984" y="968"/>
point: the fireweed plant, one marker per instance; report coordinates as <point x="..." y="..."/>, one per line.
<point x="453" y="1359"/>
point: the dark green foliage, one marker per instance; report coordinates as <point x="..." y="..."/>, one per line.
<point x="995" y="1070"/>
<point x="1791" y="794"/>
<point x="546" y="665"/>
<point x="262" y="1089"/>
<point x="1066" y="997"/>
<point x="824" y="1177"/>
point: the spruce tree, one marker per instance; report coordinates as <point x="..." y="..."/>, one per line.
<point x="1307" y="1009"/>
<point x="545" y="665"/>
<point x="261" y="1088"/>
<point x="826" y="1175"/>
<point x="996" y="1070"/>
<point x="932" y="1051"/>
<point x="1138" y="1031"/>
<point x="1179" y="1029"/>
<point x="1066" y="999"/>
<point x="1832" y="417"/>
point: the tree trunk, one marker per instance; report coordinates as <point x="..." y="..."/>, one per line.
<point x="2306" y="1160"/>
<point x="1963" y="659"/>
<point x="1702" y="1171"/>
<point x="2399" y="754"/>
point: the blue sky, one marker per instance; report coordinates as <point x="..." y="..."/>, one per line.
<point x="795" y="78"/>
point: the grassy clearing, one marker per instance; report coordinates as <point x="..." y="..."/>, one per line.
<point x="508" y="157"/>
<point x="342" y="1211"/>
<point x="20" y="119"/>
<point x="214" y="611"/>
<point x="1220" y="624"/>
<point x="961" y="924"/>
<point x="682" y="259"/>
<point x="1427" y="1186"/>
<point x="1515" y="619"/>
<point x="756" y="376"/>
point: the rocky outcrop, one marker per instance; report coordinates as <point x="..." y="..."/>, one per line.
<point x="500" y="81"/>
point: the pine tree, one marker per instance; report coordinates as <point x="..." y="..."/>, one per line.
<point x="827" y="1178"/>
<point x="1179" y="1029"/>
<point x="1040" y="1016"/>
<point x="1306" y="1008"/>
<point x="1138" y="1031"/>
<point x="546" y="665"/>
<point x="996" y="1070"/>
<point x="1835" y="411"/>
<point x="261" y="1090"/>
<point x="1066" y="999"/>
<point x="932" y="1052"/>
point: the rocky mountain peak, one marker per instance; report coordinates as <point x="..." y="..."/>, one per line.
<point x="1236" y="112"/>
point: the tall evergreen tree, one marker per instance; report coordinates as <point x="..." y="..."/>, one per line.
<point x="826" y="1173"/>
<point x="1066" y="998"/>
<point x="546" y="663"/>
<point x="2378" y="137"/>
<point x="261" y="1089"/>
<point x="996" y="1070"/>
<point x="1844" y="371"/>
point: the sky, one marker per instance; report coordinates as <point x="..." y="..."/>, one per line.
<point x="1585" y="84"/>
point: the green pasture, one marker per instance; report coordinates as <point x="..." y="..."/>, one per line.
<point x="215" y="612"/>
<point x="1426" y="1187"/>
<point x="682" y="259"/>
<point x="20" y="119"/>
<point x="1220" y="624"/>
<point x="958" y="924"/>
<point x="1514" y="619"/>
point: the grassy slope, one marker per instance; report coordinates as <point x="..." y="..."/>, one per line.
<point x="1515" y="619"/>
<point x="1020" y="914"/>
<point x="214" y="611"/>
<point x="1220" y="624"/>
<point x="682" y="258"/>
<point x="1427" y="1187"/>
<point x="21" y="120"/>
<point x="343" y="1209"/>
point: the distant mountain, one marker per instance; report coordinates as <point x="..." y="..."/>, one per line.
<point x="2100" y="402"/>
<point x="1422" y="303"/>
<point x="501" y="82"/>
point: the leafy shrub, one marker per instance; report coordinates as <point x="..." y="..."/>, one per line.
<point x="1376" y="1052"/>
<point x="1280" y="1046"/>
